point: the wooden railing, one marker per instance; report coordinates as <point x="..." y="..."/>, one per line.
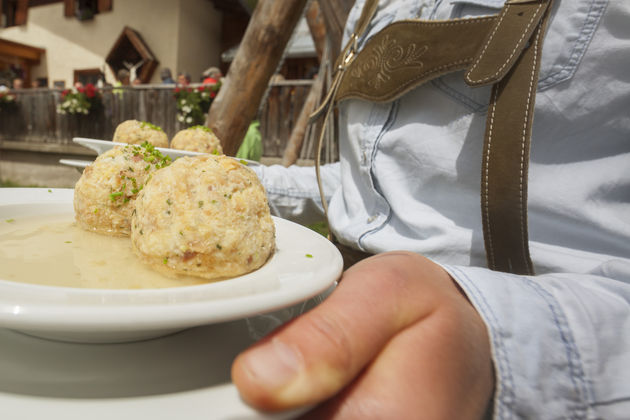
<point x="35" y="118"/>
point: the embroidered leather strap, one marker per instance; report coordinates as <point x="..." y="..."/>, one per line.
<point x="502" y="50"/>
<point x="409" y="53"/>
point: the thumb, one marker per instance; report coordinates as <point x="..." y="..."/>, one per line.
<point x="315" y="356"/>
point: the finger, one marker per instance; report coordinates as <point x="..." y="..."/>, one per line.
<point x="438" y="368"/>
<point x="316" y="355"/>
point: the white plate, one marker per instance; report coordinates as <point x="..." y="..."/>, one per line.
<point x="96" y="315"/>
<point x="184" y="375"/>
<point x="101" y="146"/>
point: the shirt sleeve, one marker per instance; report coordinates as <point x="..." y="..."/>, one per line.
<point x="560" y="342"/>
<point x="293" y="192"/>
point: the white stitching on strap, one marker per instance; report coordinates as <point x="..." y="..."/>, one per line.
<point x="528" y="110"/>
<point x="490" y="249"/>
<point x="503" y="13"/>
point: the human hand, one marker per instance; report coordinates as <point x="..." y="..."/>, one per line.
<point x="396" y="339"/>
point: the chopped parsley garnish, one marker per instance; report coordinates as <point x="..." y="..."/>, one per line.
<point x="67" y="242"/>
<point x="165" y="260"/>
<point x="10" y="220"/>
<point x="309" y="256"/>
<point x="219" y="246"/>
<point x="201" y="127"/>
<point x="145" y="124"/>
<point x="200" y="203"/>
<point x="113" y="196"/>
<point x="149" y="154"/>
<point x="169" y="201"/>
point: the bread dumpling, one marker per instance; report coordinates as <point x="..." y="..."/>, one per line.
<point x="137" y="132"/>
<point x="105" y="195"/>
<point x="197" y="139"/>
<point x="204" y="216"/>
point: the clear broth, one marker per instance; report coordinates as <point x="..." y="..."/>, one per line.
<point x="53" y="251"/>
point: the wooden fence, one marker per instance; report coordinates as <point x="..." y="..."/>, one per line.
<point x="34" y="118"/>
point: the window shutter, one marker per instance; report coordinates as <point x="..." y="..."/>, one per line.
<point x="68" y="9"/>
<point x="105" y="5"/>
<point x="21" y="12"/>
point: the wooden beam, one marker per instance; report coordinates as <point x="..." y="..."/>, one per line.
<point x="25" y="52"/>
<point x="256" y="60"/>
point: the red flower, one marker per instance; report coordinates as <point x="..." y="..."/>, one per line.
<point x="213" y="94"/>
<point x="90" y="90"/>
<point x="65" y="93"/>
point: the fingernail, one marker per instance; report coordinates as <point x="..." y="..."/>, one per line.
<point x="273" y="364"/>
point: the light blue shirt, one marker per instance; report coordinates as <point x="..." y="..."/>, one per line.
<point x="409" y="178"/>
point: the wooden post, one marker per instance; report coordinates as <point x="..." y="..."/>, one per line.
<point x="263" y="44"/>
<point x="335" y="14"/>
<point x="317" y="27"/>
<point x="294" y="145"/>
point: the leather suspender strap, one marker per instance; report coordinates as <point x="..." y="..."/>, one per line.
<point x="508" y="130"/>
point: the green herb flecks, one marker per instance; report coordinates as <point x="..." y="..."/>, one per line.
<point x="309" y="256"/>
<point x="113" y="196"/>
<point x="201" y="127"/>
<point x="146" y="124"/>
